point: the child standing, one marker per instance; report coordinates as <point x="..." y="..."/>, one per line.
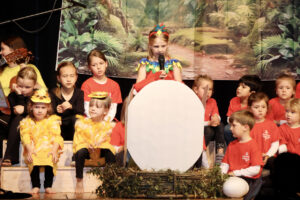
<point x="265" y="131"/>
<point x="214" y="129"/>
<point x="41" y="139"/>
<point x="290" y="132"/>
<point x="248" y="84"/>
<point x="26" y="80"/>
<point x="67" y="100"/>
<point x="149" y="68"/>
<point x="285" y="90"/>
<point x="93" y="132"/>
<point x="243" y="157"/>
<point x="97" y="63"/>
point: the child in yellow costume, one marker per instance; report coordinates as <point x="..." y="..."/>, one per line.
<point x="91" y="133"/>
<point x="41" y="139"/>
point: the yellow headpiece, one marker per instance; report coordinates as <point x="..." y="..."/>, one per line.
<point x="98" y="95"/>
<point x="40" y="96"/>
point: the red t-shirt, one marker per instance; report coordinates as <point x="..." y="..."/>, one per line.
<point x="235" y="105"/>
<point x="118" y="134"/>
<point x="291" y="138"/>
<point x="243" y="155"/>
<point x="276" y="110"/>
<point x="265" y="133"/>
<point x="112" y="87"/>
<point x="297" y="95"/>
<point x="211" y="108"/>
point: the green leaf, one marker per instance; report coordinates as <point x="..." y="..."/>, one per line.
<point x="70" y="27"/>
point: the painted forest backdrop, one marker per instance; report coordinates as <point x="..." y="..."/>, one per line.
<point x="222" y="38"/>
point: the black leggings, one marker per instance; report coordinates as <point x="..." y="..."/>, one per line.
<point x="13" y="141"/>
<point x="35" y="177"/>
<point x="212" y="133"/>
<point x="83" y="154"/>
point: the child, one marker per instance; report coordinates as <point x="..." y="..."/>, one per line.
<point x="93" y="132"/>
<point x="9" y="71"/>
<point x="26" y="80"/>
<point x="41" y="139"/>
<point x="149" y="68"/>
<point x="297" y="95"/>
<point x="290" y="132"/>
<point x="97" y="63"/>
<point x="248" y="84"/>
<point x="285" y="90"/>
<point x="243" y="157"/>
<point x="214" y="129"/>
<point x="265" y="131"/>
<point x="67" y="100"/>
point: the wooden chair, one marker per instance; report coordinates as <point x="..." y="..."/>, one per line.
<point x="95" y="159"/>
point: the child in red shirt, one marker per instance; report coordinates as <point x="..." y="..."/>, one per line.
<point x="298" y="91"/>
<point x="290" y="132"/>
<point x="285" y="90"/>
<point x="248" y="84"/>
<point x="214" y="129"/>
<point x="243" y="157"/>
<point x="265" y="131"/>
<point x="97" y="63"/>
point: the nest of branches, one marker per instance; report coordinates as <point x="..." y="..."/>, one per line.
<point x="120" y="182"/>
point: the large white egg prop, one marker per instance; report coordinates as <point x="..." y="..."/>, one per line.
<point x="235" y="187"/>
<point x="165" y="127"/>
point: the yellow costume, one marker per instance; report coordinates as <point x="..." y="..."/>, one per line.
<point x="41" y="135"/>
<point x="88" y="132"/>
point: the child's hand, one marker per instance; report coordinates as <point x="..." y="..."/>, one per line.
<point x="16" y="88"/>
<point x="231" y="174"/>
<point x="66" y="105"/>
<point x="215" y="120"/>
<point x="102" y="139"/>
<point x="265" y="158"/>
<point x="91" y="148"/>
<point x="59" y="109"/>
<point x="30" y="152"/>
<point x="54" y="154"/>
<point x="19" y="109"/>
<point x="163" y="74"/>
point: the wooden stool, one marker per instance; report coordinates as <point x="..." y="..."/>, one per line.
<point x="95" y="159"/>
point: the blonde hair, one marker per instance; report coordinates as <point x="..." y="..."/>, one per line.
<point x="57" y="90"/>
<point x="258" y="96"/>
<point x="106" y="102"/>
<point x="243" y="117"/>
<point x="152" y="37"/>
<point x="200" y="78"/>
<point x="27" y="73"/>
<point x="294" y="105"/>
<point x="288" y="77"/>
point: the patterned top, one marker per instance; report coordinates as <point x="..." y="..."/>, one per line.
<point x="88" y="132"/>
<point x="154" y="66"/>
<point x="42" y="135"/>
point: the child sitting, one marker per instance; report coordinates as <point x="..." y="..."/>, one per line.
<point x="248" y="84"/>
<point x="243" y="157"/>
<point x="97" y="63"/>
<point x="41" y="139"/>
<point x="214" y="129"/>
<point x="93" y="132"/>
<point x="285" y="90"/>
<point x="265" y="131"/>
<point x="18" y="99"/>
<point x="290" y="132"/>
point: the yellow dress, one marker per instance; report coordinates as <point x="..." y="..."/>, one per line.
<point x="89" y="133"/>
<point x="42" y="135"/>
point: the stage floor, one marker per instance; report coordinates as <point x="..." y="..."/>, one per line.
<point x="65" y="196"/>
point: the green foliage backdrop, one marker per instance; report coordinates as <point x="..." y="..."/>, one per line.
<point x="222" y="38"/>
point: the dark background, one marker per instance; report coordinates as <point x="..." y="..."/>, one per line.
<point x="43" y="45"/>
